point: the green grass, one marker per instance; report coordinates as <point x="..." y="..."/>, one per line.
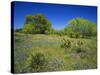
<point x="57" y="58"/>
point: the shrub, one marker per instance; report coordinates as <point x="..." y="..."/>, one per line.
<point x="78" y="50"/>
<point x="65" y="43"/>
<point x="81" y="52"/>
<point x="79" y="46"/>
<point x="55" y="64"/>
<point x="36" y="62"/>
<point x="80" y="43"/>
<point x="75" y="35"/>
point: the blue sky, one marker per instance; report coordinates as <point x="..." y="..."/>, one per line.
<point x="57" y="14"/>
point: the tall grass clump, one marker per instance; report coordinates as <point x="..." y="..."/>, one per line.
<point x="36" y="62"/>
<point x="65" y="43"/>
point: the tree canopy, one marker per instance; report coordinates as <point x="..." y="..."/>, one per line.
<point x="36" y="24"/>
<point x="81" y="26"/>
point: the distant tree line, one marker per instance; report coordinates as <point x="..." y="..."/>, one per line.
<point x="77" y="27"/>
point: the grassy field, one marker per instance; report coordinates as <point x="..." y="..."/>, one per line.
<point x="57" y="58"/>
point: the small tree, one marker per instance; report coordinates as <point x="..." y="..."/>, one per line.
<point x="36" y="24"/>
<point x="80" y="26"/>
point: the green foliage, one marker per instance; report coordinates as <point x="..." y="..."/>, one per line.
<point x="41" y="23"/>
<point x="56" y="32"/>
<point x="36" y="24"/>
<point x="80" y="49"/>
<point x="18" y="30"/>
<point x="28" y="28"/>
<point x="80" y="43"/>
<point x="65" y="43"/>
<point x="80" y="27"/>
<point x="36" y="62"/>
<point x="28" y="19"/>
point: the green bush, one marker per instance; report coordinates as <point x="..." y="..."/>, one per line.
<point x="37" y="62"/>
<point x="80" y="43"/>
<point x="79" y="47"/>
<point x="75" y="35"/>
<point x="18" y="30"/>
<point x="65" y="43"/>
<point x="81" y="52"/>
<point x="78" y="50"/>
<point x="79" y="26"/>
